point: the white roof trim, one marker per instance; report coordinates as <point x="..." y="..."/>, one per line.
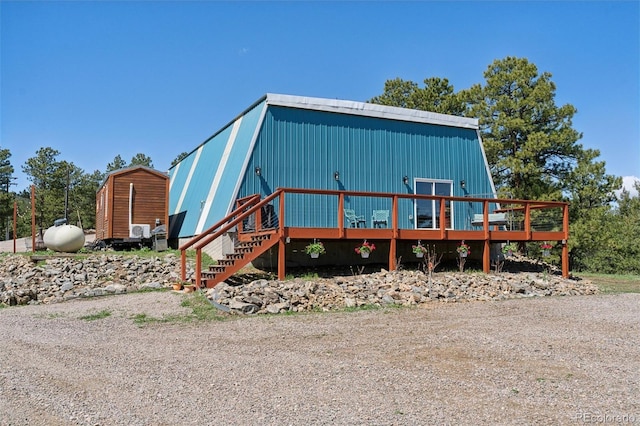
<point x="371" y="110"/>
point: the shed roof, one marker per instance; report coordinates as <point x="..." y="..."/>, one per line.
<point x="130" y="169"/>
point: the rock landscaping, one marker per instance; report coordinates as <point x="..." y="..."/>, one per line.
<point x="58" y="279"/>
<point x="389" y="288"/>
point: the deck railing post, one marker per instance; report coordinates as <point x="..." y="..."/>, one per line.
<point x="485" y="219"/>
<point x="341" y="215"/>
<point x="394" y="216"/>
<point x="443" y="222"/>
<point x="486" y="249"/>
<point x="393" y="243"/>
<point x="240" y="226"/>
<point x="282" y="271"/>
<point x="258" y="219"/>
<point x="565" y="241"/>
<point x="198" y="267"/>
<point x="281" y="213"/>
<point x="527" y="220"/>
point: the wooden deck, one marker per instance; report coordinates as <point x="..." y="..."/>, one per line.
<point x="523" y="226"/>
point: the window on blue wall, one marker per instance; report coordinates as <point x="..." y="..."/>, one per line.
<point x="427" y="212"/>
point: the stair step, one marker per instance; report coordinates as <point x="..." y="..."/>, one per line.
<point x="224" y="267"/>
<point x="251" y="244"/>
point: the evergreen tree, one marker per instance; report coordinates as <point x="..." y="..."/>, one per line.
<point x="437" y="95"/>
<point x="40" y="170"/>
<point x="179" y="158"/>
<point x="6" y="198"/>
<point x="529" y="141"/>
<point x="62" y="189"/>
<point x="83" y="199"/>
<point x="141" y="159"/>
<point x="117" y="164"/>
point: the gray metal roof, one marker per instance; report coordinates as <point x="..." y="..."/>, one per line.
<point x="370" y="110"/>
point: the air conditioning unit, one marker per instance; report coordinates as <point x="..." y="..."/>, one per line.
<point x="139" y="231"/>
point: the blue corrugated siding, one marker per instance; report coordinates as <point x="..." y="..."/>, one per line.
<point x="231" y="175"/>
<point x="178" y="177"/>
<point x="201" y="195"/>
<point x="303" y="148"/>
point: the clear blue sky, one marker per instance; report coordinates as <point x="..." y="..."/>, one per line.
<point x="98" y="79"/>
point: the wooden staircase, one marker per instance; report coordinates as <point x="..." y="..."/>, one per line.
<point x="262" y="236"/>
<point x="244" y="252"/>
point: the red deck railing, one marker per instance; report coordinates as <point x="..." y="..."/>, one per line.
<point x="526" y="221"/>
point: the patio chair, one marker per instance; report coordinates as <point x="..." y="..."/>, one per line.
<point x="380" y="218"/>
<point x="354" y="220"/>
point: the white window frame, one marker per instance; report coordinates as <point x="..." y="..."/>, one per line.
<point x="433" y="202"/>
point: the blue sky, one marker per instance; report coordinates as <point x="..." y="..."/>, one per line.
<point x="98" y="79"/>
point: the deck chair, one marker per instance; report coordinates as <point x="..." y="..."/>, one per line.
<point x="380" y="219"/>
<point x="354" y="220"/>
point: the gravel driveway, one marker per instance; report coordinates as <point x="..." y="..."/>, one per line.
<point x="554" y="360"/>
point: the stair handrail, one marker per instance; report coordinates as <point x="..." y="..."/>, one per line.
<point x="183" y="248"/>
<point x="205" y="238"/>
<point x="221" y="222"/>
<point x="239" y="218"/>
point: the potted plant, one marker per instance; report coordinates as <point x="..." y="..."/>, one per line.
<point x="546" y="247"/>
<point x="419" y="250"/>
<point x="463" y="249"/>
<point x="365" y="248"/>
<point x="509" y="249"/>
<point x="315" y="249"/>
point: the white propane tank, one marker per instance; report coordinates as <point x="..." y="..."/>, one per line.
<point x="64" y="238"/>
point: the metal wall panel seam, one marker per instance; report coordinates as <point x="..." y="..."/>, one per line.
<point x="216" y="180"/>
<point x="183" y="193"/>
<point x="486" y="165"/>
<point x="243" y="173"/>
<point x="172" y="173"/>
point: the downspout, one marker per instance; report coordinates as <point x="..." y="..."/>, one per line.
<point x="130" y="203"/>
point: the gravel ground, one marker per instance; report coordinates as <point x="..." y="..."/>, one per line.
<point x="555" y="360"/>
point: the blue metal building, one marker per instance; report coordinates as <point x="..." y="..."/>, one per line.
<point x="314" y="143"/>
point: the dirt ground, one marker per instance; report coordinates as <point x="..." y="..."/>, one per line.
<point x="555" y="360"/>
